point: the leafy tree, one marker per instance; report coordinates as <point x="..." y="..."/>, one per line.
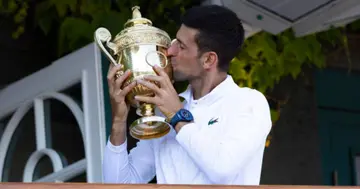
<point x="263" y="62"/>
<point x="75" y="21"/>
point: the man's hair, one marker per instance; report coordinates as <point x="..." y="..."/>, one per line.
<point x="220" y="30"/>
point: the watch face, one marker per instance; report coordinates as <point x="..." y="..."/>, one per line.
<point x="186" y="115"/>
<point x="181" y="115"/>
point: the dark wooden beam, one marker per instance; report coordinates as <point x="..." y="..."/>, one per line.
<point x="154" y="186"/>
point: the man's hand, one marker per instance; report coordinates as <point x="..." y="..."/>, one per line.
<point x="166" y="97"/>
<point x="119" y="107"/>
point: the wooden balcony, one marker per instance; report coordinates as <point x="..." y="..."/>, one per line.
<point x="154" y="186"/>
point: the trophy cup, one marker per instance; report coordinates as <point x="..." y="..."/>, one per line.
<point x="138" y="47"/>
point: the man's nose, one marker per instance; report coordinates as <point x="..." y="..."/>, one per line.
<point x="172" y="49"/>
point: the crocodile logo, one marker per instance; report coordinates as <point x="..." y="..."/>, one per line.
<point x="212" y="121"/>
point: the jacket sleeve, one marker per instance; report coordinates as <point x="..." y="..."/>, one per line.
<point x="221" y="150"/>
<point x="136" y="167"/>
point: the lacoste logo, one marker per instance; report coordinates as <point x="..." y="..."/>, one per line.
<point x="212" y="121"/>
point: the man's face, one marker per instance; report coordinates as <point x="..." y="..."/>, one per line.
<point x="184" y="55"/>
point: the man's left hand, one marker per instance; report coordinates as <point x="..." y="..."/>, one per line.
<point x="166" y="97"/>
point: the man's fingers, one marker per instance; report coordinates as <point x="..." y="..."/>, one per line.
<point x="153" y="78"/>
<point x="163" y="75"/>
<point x="146" y="99"/>
<point x="157" y="79"/>
<point x="110" y="67"/>
<point x="119" y="81"/>
<point x="112" y="72"/>
<point x="128" y="88"/>
<point x="149" y="85"/>
<point x="159" y="71"/>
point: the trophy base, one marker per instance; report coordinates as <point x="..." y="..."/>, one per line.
<point x="149" y="127"/>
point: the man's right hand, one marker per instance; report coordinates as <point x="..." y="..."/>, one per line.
<point x="119" y="106"/>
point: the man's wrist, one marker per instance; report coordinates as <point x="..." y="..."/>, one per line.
<point x="118" y="133"/>
<point x="180" y="125"/>
<point x="169" y="116"/>
<point x="119" y="120"/>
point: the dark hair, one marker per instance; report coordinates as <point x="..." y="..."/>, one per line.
<point x="220" y="30"/>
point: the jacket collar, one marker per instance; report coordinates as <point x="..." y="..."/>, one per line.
<point x="219" y="91"/>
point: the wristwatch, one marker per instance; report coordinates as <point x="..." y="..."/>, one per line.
<point x="182" y="115"/>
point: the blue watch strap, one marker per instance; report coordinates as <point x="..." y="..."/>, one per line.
<point x="174" y="120"/>
<point x="182" y="115"/>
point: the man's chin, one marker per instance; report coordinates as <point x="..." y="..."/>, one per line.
<point x="179" y="77"/>
<point x="178" y="80"/>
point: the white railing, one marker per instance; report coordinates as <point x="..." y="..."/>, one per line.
<point x="82" y="66"/>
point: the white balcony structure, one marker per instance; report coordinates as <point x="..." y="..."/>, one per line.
<point x="81" y="67"/>
<point x="303" y="16"/>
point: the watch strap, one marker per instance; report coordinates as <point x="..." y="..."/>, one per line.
<point x="178" y="117"/>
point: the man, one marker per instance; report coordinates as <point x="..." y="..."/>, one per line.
<point x="219" y="131"/>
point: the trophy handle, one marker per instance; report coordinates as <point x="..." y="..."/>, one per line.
<point x="102" y="35"/>
<point x="150" y="56"/>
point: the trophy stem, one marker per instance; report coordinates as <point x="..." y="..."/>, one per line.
<point x="147" y="110"/>
<point x="148" y="126"/>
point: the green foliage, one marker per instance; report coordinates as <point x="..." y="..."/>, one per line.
<point x="76" y="20"/>
<point x="274" y="114"/>
<point x="17" y="11"/>
<point x="265" y="58"/>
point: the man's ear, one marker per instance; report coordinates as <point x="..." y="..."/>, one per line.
<point x="209" y="60"/>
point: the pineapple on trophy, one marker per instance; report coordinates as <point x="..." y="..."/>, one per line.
<point x="138" y="47"/>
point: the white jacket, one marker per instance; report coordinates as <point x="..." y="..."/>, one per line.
<point x="228" y="150"/>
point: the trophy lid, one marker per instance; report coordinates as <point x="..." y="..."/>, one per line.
<point x="139" y="30"/>
<point x="137" y="18"/>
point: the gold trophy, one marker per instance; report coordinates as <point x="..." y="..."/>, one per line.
<point x="137" y="48"/>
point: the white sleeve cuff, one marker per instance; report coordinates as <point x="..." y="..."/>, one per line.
<point x="117" y="149"/>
